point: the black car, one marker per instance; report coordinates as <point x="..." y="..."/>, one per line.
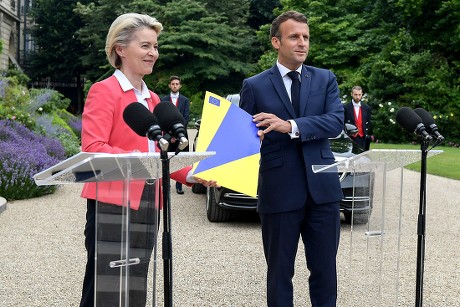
<point x="222" y="203"/>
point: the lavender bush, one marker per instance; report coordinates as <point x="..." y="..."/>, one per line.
<point x="22" y="155"/>
<point x="3" y="85"/>
<point x="55" y="127"/>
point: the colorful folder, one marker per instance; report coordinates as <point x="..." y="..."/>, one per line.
<point x="231" y="133"/>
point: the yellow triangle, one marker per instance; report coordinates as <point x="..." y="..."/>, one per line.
<point x="246" y="179"/>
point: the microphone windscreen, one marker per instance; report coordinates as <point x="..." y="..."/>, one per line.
<point x="167" y="115"/>
<point x="139" y="118"/>
<point x="408" y="119"/>
<point x="426" y="117"/>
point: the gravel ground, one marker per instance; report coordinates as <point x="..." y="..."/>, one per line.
<point x="221" y="264"/>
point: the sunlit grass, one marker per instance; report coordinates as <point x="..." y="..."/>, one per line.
<point x="445" y="164"/>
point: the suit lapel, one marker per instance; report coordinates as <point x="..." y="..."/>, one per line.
<point x="280" y="89"/>
<point x="350" y="109"/>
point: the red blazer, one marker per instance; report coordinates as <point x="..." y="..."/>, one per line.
<point x="104" y="130"/>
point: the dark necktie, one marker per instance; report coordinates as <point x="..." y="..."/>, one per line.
<point x="295" y="91"/>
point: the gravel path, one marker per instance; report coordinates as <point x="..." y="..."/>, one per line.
<point x="221" y="264"/>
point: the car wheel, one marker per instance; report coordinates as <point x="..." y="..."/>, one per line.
<point x="213" y="211"/>
<point x="198" y="188"/>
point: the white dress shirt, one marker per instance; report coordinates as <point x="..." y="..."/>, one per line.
<point x="141" y="96"/>
<point x="295" y="133"/>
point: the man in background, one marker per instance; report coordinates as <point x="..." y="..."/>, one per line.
<point x="359" y="114"/>
<point x="183" y="105"/>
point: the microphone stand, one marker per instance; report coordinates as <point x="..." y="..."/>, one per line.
<point x="167" y="239"/>
<point x="421" y="226"/>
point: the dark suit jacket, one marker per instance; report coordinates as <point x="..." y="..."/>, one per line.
<point x="286" y="177"/>
<point x="366" y="112"/>
<point x="183" y="105"/>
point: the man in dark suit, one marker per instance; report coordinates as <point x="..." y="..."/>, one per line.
<point x="183" y="104"/>
<point x="359" y="114"/>
<point x="294" y="201"/>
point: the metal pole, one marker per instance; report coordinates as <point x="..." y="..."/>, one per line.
<point x="167" y="239"/>
<point x="421" y="228"/>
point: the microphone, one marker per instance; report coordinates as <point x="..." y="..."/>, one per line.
<point x="144" y="123"/>
<point x="172" y="121"/>
<point x="410" y="121"/>
<point x="428" y="121"/>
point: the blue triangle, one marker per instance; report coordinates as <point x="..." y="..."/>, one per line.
<point x="235" y="138"/>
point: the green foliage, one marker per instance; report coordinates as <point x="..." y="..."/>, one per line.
<point x="444" y="164"/>
<point x="203" y="47"/>
<point x="24" y="154"/>
<point x="448" y="124"/>
<point x="13" y="113"/>
<point x="52" y="135"/>
<point x="48" y="100"/>
<point x="97" y="18"/>
<point x="54" y="31"/>
<point x="196" y="106"/>
<point x="40" y="110"/>
<point x="404" y="52"/>
<point x="70" y="142"/>
<point x="19" y="76"/>
<point x="72" y="121"/>
<point x="13" y="98"/>
<point x="386" y="129"/>
<point x="14" y="94"/>
<point x="262" y="12"/>
<point x="207" y="43"/>
<point x="21" y="187"/>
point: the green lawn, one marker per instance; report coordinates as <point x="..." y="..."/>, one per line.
<point x="446" y="164"/>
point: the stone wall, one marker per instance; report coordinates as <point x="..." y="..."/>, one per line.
<point x="9" y="22"/>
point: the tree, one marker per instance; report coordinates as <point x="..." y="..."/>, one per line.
<point x="54" y="34"/>
<point x="404" y="51"/>
<point x="200" y="44"/>
<point x="54" y="30"/>
<point x="97" y="17"/>
<point x="262" y="12"/>
<point x="202" y="47"/>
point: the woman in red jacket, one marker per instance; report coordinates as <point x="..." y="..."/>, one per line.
<point x="132" y="49"/>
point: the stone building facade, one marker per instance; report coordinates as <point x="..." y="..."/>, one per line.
<point x="14" y="32"/>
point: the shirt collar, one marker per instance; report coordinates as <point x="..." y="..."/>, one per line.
<point x="284" y="70"/>
<point x="356" y="104"/>
<point x="126" y="85"/>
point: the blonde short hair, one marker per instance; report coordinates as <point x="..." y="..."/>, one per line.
<point x="121" y="30"/>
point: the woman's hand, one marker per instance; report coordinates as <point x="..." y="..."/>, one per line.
<point x="206" y="183"/>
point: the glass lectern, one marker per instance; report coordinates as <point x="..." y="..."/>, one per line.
<point x="126" y="235"/>
<point x="371" y="274"/>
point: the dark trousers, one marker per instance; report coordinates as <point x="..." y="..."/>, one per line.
<point x="144" y="224"/>
<point x="319" y="227"/>
<point x="363" y="141"/>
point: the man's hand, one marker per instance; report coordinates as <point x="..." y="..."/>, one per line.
<point x="272" y="123"/>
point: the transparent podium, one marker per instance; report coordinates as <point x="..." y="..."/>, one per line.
<point x="126" y="234"/>
<point x="369" y="271"/>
